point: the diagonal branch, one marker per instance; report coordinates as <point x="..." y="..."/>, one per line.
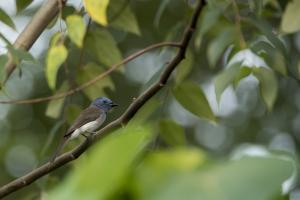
<point x="94" y="80"/>
<point x="34" y="29"/>
<point x="127" y="115"/>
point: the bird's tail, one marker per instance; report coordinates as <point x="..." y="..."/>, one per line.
<point x="59" y="149"/>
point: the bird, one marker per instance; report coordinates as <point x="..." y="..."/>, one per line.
<point x="88" y="121"/>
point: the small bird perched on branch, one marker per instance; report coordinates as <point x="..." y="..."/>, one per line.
<point x="89" y="120"/>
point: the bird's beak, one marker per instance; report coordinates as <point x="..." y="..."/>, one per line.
<point x="114" y="105"/>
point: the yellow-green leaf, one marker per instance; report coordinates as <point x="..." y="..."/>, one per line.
<point x="99" y="175"/>
<point x="97" y="10"/>
<point x="76" y="29"/>
<point x="192" y="98"/>
<point x="56" y="56"/>
<point x="268" y="85"/>
<point x="159" y="168"/>
<point x="291" y="18"/>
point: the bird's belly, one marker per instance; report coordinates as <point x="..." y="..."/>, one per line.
<point x="88" y="127"/>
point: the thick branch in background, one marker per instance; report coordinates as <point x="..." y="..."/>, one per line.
<point x="127" y="115"/>
<point x="33" y="30"/>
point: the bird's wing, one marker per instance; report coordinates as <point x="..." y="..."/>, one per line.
<point x="87" y="115"/>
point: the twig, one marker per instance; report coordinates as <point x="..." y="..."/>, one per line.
<point x="243" y="44"/>
<point x="94" y="80"/>
<point x="33" y="30"/>
<point x="127" y="115"/>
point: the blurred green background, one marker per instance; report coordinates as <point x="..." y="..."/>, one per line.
<point x="225" y="127"/>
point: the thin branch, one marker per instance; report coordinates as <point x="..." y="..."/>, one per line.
<point x="92" y="81"/>
<point x="33" y="30"/>
<point x="123" y="119"/>
<point x="243" y="44"/>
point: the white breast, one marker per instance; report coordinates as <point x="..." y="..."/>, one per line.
<point x="89" y="127"/>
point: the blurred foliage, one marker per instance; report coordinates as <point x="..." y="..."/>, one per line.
<point x="225" y="126"/>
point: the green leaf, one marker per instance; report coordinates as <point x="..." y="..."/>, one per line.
<point x="159" y="168"/>
<point x="54" y="106"/>
<point x="225" y="78"/>
<point x="22" y="4"/>
<point x="3" y="61"/>
<point x="266" y="29"/>
<point x="268" y="85"/>
<point x="67" y="11"/>
<point x="244" y="72"/>
<point x="271" y="55"/>
<point x="87" y="73"/>
<point x="171" y="132"/>
<point x="145" y="111"/>
<point x="72" y="111"/>
<point x="247" y="179"/>
<point x="290" y="22"/>
<point x="97" y="10"/>
<point x="219" y="44"/>
<point x="102" y="47"/>
<point x="192" y="98"/>
<point x="184" y="68"/>
<point x="5" y="40"/>
<point x="19" y="54"/>
<point x="76" y="29"/>
<point x="120" y="16"/>
<point x="106" y="167"/>
<point x="5" y="18"/>
<point x="56" y="56"/>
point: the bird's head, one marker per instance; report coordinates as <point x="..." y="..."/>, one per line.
<point x="104" y="103"/>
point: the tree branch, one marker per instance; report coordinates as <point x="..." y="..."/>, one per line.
<point x="123" y="119"/>
<point x="94" y="80"/>
<point x="33" y="30"/>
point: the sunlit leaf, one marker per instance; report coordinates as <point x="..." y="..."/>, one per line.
<point x="105" y="168"/>
<point x="5" y="18"/>
<point x="56" y="56"/>
<point x="102" y="47"/>
<point x="22" y="4"/>
<point x="290" y="22"/>
<point x="120" y="16"/>
<point x="219" y="44"/>
<point x="171" y="132"/>
<point x="76" y="29"/>
<point x="97" y="10"/>
<point x="225" y="78"/>
<point x="247" y="179"/>
<point x="159" y="168"/>
<point x="89" y="72"/>
<point x="192" y="98"/>
<point x="268" y="85"/>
